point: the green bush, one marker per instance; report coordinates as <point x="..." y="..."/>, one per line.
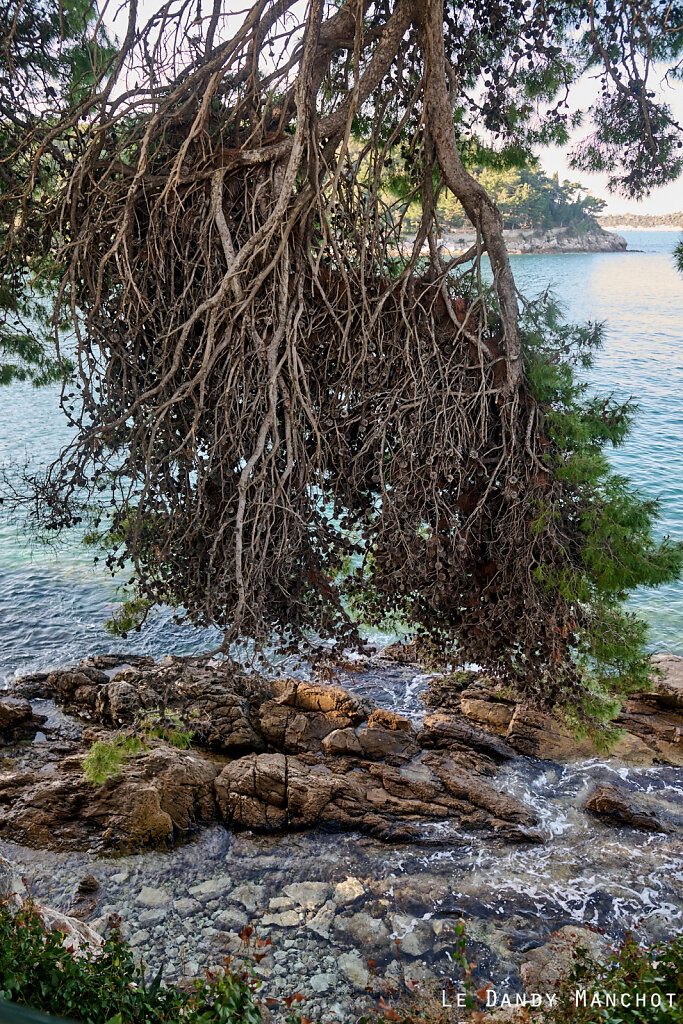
<point x="652" y="973"/>
<point x="38" y="971"/>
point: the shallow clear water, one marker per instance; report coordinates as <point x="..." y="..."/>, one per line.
<point x="511" y="896"/>
<point x="53" y="603"/>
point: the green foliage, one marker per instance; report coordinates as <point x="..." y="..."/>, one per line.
<point x="678" y="256"/>
<point x="105" y="758"/>
<point x="168" y="726"/>
<point x="48" y="56"/>
<point x="615" y="549"/>
<point x="129" y="616"/>
<point x="37" y="970"/>
<point x="526" y="197"/>
<point x="655" y="972"/>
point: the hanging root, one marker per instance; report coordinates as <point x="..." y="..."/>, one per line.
<point x="296" y="422"/>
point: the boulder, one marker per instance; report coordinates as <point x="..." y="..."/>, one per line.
<point x="270" y="792"/>
<point x="623" y="807"/>
<point x="373" y="742"/>
<point x="14" y="711"/>
<point x="156" y="796"/>
<point x="652" y="721"/>
<point x="78" y="936"/>
<point x="444" y="730"/>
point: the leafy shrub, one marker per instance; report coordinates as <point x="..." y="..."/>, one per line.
<point x="653" y="973"/>
<point x="37" y="970"/>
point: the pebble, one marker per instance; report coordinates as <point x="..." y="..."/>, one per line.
<point x="355" y="970"/>
<point x="289" y="919"/>
<point x="308" y="895"/>
<point x="152" y="897"/>
<point x="153" y="916"/>
<point x="185" y="906"/>
<point x="211" y="888"/>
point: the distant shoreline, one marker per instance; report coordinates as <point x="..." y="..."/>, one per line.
<point x="525" y="242"/>
<point x="650" y="227"/>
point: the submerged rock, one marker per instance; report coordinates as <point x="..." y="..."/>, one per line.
<point x="623" y="807"/>
<point x="548" y="965"/>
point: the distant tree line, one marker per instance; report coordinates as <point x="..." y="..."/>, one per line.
<point x="527" y="199"/>
<point x="643" y="220"/>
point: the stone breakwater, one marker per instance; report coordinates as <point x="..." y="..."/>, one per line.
<point x="393" y="826"/>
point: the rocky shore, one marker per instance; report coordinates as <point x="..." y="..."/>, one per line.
<point x="537" y="242"/>
<point x="349" y="836"/>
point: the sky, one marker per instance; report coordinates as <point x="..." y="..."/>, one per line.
<point x="553" y="159"/>
<point x="663" y="200"/>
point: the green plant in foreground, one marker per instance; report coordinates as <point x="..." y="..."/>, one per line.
<point x="38" y="971"/>
<point x="644" y="983"/>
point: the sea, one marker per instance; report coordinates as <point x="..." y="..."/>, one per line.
<point x="54" y="600"/>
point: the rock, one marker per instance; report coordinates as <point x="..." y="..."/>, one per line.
<point x="485" y="707"/>
<point x="414" y="937"/>
<point x="384" y="719"/>
<point x="87" y="886"/>
<point x="352" y="967"/>
<point x="148" y="897"/>
<point x="14" y="711"/>
<point x="308" y="895"/>
<point x="363" y="930"/>
<point x="216" y="698"/>
<point x="231" y="920"/>
<point x="322" y="982"/>
<point x="442" y="730"/>
<point x="249" y="894"/>
<point x="288" y="919"/>
<point x="480" y="794"/>
<point x="308" y="696"/>
<point x="322" y="921"/>
<point x="281" y="903"/>
<point x="80" y="937"/>
<point x="273" y="791"/>
<point x="667" y="688"/>
<point x="155" y="795"/>
<point x="302" y="714"/>
<point x="547" y="965"/>
<point x="348" y="890"/>
<point x="186" y="907"/>
<point x="652" y="722"/>
<point x="211" y="888"/>
<point x="623" y="807"/>
<point x="155" y="915"/>
<point x="373" y="742"/>
<point x="11" y="887"/>
<point x="85" y="902"/>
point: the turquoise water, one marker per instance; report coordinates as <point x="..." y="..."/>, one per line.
<point x="53" y="602"/>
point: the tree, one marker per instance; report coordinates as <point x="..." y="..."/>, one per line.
<point x="47" y="52"/>
<point x="282" y="417"/>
